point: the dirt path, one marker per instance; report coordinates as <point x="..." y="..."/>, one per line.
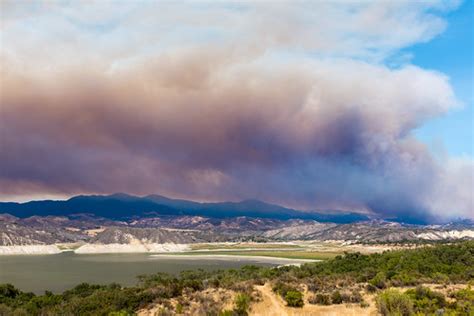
<point x="273" y="305"/>
<point x="269" y="305"/>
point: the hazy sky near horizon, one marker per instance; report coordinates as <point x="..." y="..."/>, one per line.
<point x="351" y="105"/>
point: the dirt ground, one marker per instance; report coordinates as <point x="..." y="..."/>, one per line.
<point x="272" y="304"/>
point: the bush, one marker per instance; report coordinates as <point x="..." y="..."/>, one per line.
<point x="8" y="291"/>
<point x="179" y="308"/>
<point x="379" y="280"/>
<point x="5" y="310"/>
<point x="355" y="297"/>
<point x="315" y="285"/>
<point x="242" y="303"/>
<point x="282" y="288"/>
<point x="440" y="278"/>
<point x="346" y="297"/>
<point x="336" y="297"/>
<point x="364" y="304"/>
<point x="426" y="301"/>
<point x="320" y="299"/>
<point x="120" y="313"/>
<point x="294" y="299"/>
<point x="394" y="302"/>
<point x="464" y="304"/>
<point x="403" y="279"/>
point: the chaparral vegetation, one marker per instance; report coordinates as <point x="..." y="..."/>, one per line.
<point x="397" y="278"/>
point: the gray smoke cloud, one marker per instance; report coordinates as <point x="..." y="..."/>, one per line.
<point x="254" y="108"/>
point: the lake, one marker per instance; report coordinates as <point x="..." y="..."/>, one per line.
<point x="63" y="271"/>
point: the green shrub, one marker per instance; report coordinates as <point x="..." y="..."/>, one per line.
<point x="403" y="279"/>
<point x="281" y="288"/>
<point x="393" y="302"/>
<point x="336" y="297"/>
<point x="8" y="291"/>
<point x="120" y="313"/>
<point x="242" y="304"/>
<point x="439" y="277"/>
<point x="464" y="304"/>
<point x="379" y="280"/>
<point x="179" y="308"/>
<point x="426" y="301"/>
<point x="294" y="299"/>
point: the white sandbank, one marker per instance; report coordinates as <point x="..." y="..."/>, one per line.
<point x="131" y="248"/>
<point x="29" y="250"/>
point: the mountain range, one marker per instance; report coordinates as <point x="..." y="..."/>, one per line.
<point x="121" y="219"/>
<point x="122" y="206"/>
<point x="164" y="229"/>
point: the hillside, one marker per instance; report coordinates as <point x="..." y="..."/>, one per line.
<point x="50" y="230"/>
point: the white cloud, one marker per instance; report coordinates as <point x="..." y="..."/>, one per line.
<point x="61" y="34"/>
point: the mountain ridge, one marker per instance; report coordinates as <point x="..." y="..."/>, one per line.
<point x="121" y="205"/>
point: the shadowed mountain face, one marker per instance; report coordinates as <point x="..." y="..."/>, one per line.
<point x="121" y="206"/>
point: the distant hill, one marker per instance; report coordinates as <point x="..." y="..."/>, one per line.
<point x="122" y="206"/>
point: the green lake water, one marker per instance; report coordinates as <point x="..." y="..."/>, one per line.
<point x="60" y="272"/>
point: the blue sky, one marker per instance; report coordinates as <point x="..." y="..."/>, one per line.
<point x="451" y="52"/>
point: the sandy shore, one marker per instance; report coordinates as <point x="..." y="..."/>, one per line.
<point x="93" y="249"/>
